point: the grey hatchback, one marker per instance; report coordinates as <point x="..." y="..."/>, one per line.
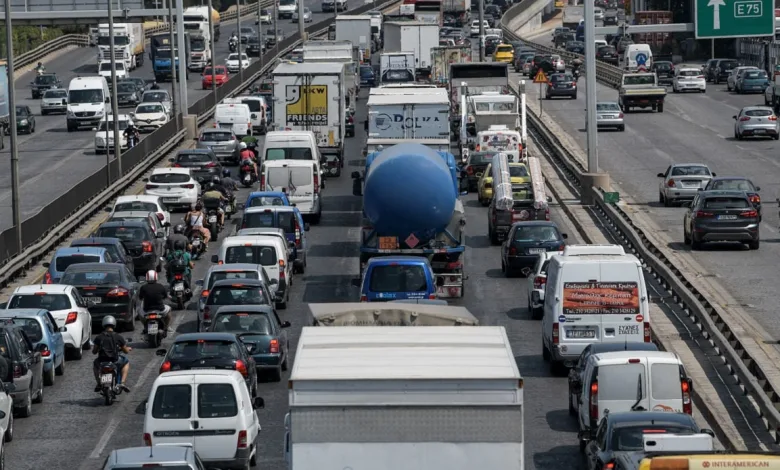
<point x="223" y="142"/>
<point x="716" y="216"/>
<point x="561" y="84"/>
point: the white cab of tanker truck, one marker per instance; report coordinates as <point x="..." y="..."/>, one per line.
<point x="312" y="97"/>
<point x="128" y="44"/>
<point x="357" y="30"/>
<point x="395" y="116"/>
<point x="412" y="36"/>
<point x="396" y="67"/>
<point x="433" y="397"/>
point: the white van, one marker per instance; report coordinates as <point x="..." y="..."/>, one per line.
<point x="257" y="109"/>
<point x="593" y="294"/>
<point x="268" y="251"/>
<point x="235" y="116"/>
<point x="631" y="53"/>
<point x="629" y="381"/>
<point x="291" y="145"/>
<point x="217" y="404"/>
<point x="88" y="102"/>
<point x="300" y="179"/>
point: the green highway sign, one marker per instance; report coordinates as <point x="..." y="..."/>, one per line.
<point x="734" y="18"/>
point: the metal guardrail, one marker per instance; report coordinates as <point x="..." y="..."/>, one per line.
<point x="60" y="218"/>
<point x="709" y="316"/>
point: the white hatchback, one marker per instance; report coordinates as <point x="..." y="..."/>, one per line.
<point x="176" y="187"/>
<point x="143" y="203"/>
<point x="150" y="116"/>
<point x="689" y="79"/>
<point x="104" y="134"/>
<point x="104" y="70"/>
<point x="233" y="63"/>
<point x="69" y="309"/>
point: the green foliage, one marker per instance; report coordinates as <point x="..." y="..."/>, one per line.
<point x="27" y="38"/>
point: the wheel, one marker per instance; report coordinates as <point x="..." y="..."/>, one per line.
<point x="26" y="411"/>
<point x="703" y="90"/>
<point x="284" y="363"/>
<point x="572" y="410"/>
<point x="776" y="137"/>
<point x="9" y="432"/>
<point x="622" y="128"/>
<point x="660" y="107"/>
<point x="695" y="244"/>
<point x="717" y="80"/>
<point x="276" y="374"/>
<point x="109" y="398"/>
<point x="253" y="459"/>
<point x="316" y="218"/>
<point x="754" y="244"/>
<point x="574" y="97"/>
<point x="503" y="270"/>
<point x="686" y="238"/>
<point x="44" y="112"/>
<point x="39" y="397"/>
<point x="674" y="89"/>
<point x="737" y="135"/>
<point x="48" y="377"/>
<point x="545" y="352"/>
<point x="180" y="303"/>
<point x="667" y="202"/>
<point x="537" y="313"/>
<point x="283" y="305"/>
<point x="61" y="369"/>
<point x="76" y="353"/>
<point x="728" y="87"/>
<point x="32" y="129"/>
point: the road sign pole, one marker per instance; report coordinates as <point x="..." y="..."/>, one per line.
<point x="541" y="111"/>
<point x="591" y="127"/>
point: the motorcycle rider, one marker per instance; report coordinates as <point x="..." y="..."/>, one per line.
<point x="132" y="135"/>
<point x="154" y="86"/>
<point x="180" y="253"/>
<point x="228" y="182"/>
<point x="40" y="68"/>
<point x="213" y="192"/>
<point x="177" y="236"/>
<point x="108" y="346"/>
<point x="233" y="42"/>
<point x="247" y="157"/>
<point x="194" y="220"/>
<point x="153" y="295"/>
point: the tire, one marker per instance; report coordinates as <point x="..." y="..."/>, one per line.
<point x="253" y="459"/>
<point x="660" y="198"/>
<point x="39" y="398"/>
<point x="316" y="218"/>
<point x="660" y="107"/>
<point x="754" y="244"/>
<point x="61" y="369"/>
<point x="674" y="89"/>
<point x="180" y="303"/>
<point x="728" y="87"/>
<point x="284" y="363"/>
<point x="276" y="374"/>
<point x="76" y="353"/>
<point x="622" y="128"/>
<point x="572" y="410"/>
<point x="667" y="202"/>
<point x="695" y="244"/>
<point x="738" y="135"/>
<point x="9" y="433"/>
<point x="545" y="353"/>
<point x="686" y="238"/>
<point x="537" y="313"/>
<point x="26" y="411"/>
<point x="776" y="137"/>
<point x="109" y="399"/>
<point x="48" y="378"/>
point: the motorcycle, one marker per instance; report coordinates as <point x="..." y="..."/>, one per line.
<point x="109" y="381"/>
<point x="212" y="218"/>
<point x="40" y="70"/>
<point x="576" y="73"/>
<point x="196" y="244"/>
<point x="180" y="291"/>
<point x="331" y="164"/>
<point x="233" y="44"/>
<point x="155" y="328"/>
<point x="247" y="175"/>
<point x="132" y="140"/>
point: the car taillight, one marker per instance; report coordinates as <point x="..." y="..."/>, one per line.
<point x="211" y="165"/>
<point x="152" y="186"/>
<point x="204" y="293"/>
<point x="297" y="235"/>
<point x="755" y="199"/>
<point x="281" y="269"/>
<point x="71" y="318"/>
<point x="47" y="278"/>
<point x="594" y="400"/>
<point x="670" y="183"/>
<point x="206" y="313"/>
<point x="118" y="292"/>
<point x="246" y="168"/>
<point x="744" y="118"/>
<point x="620" y="115"/>
<point x="316" y="181"/>
<point x="160" y="216"/>
<point x="648" y="333"/>
<point x="19" y="370"/>
<point x="685" y="387"/>
<point x="749" y="214"/>
<point x="556" y="333"/>
<point x="176" y="165"/>
<point x="147" y="439"/>
<point x="704" y="215"/>
<point x="609" y="466"/>
<point x="147" y="246"/>
<point x="262" y="181"/>
<point x="512" y="251"/>
<point x="274" y="346"/>
<point x="241" y="367"/>
<point x="165" y="367"/>
<point x="243" y="441"/>
<point x="45" y="352"/>
<point x="188" y="186"/>
<point x="539" y="282"/>
<point x="469" y="170"/>
<point x="363" y="298"/>
<point x="772" y="118"/>
<point x="700" y="76"/>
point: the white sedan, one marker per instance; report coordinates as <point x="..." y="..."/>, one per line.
<point x="102" y="135"/>
<point x="149" y="116"/>
<point x="233" y="63"/>
<point x="176" y="186"/>
<point x="689" y="79"/>
<point x="104" y="69"/>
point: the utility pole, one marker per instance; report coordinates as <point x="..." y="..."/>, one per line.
<point x="174" y="51"/>
<point x="183" y="59"/>
<point x="590" y="87"/>
<point x="302" y="24"/>
<point x="9" y="44"/>
<point x="213" y="56"/>
<point x="276" y="31"/>
<point x="114" y="106"/>
<point x="481" y="30"/>
<point x="238" y="48"/>
<point x="260" y="38"/>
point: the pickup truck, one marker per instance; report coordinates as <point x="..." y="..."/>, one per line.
<point x="641" y="90"/>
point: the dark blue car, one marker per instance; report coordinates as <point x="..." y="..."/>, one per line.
<point x="287" y="218"/>
<point x="389" y="278"/>
<point x="367" y="76"/>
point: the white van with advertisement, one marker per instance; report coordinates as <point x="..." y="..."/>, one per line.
<point x="312" y="97"/>
<point x="594" y="294"/>
<point x="234" y="116"/>
<point x="501" y="139"/>
<point x="631" y="381"/>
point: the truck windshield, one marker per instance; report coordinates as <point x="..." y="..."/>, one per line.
<point x="290" y="153"/>
<point x="85" y="96"/>
<point x="198" y="44"/>
<point x="287" y="2"/>
<point x="398" y="278"/>
<point x="118" y="41"/>
<point x="163" y="54"/>
<point x="192" y="26"/>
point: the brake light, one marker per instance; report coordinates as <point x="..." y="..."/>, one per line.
<point x="204" y="293"/>
<point x="620" y="115"/>
<point x="469" y="170"/>
<point x="241" y="367"/>
<point x="151" y="186"/>
<point x="165" y="367"/>
<point x="744" y="118"/>
<point x="704" y="215"/>
<point x="118" y="292"/>
<point x="281" y="269"/>
<point x="772" y="118"/>
<point x="19" y="370"/>
<point x="188" y="186"/>
<point x="242" y="440"/>
<point x="547" y="217"/>
<point x="685" y="386"/>
<point x="749" y="214"/>
<point x="262" y="180"/>
<point x="47" y="278"/>
<point x="160" y="216"/>
<point x="648" y="332"/>
<point x="206" y="313"/>
<point x="297" y="234"/>
<point x="454" y="265"/>
<point x="274" y="346"/>
<point x="539" y="282"/>
<point x="670" y="183"/>
<point x="608" y="466"/>
<point x="72" y="316"/>
<point x="178" y="277"/>
<point x="363" y="298"/>
<point x="512" y="251"/>
<point x="147" y="246"/>
<point x="316" y="181"/>
<point x="46" y="352"/>
<point x="176" y="165"/>
<point x="755" y="199"/>
<point x="594" y="400"/>
<point x="211" y="165"/>
<point x="700" y="76"/>
<point x="147" y="439"/>
<point x="556" y="333"/>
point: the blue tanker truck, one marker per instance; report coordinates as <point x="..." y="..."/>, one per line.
<point x="411" y="207"/>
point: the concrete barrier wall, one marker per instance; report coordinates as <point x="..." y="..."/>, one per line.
<point x="527" y="15"/>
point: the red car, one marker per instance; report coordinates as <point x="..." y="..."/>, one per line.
<point x="220" y="74"/>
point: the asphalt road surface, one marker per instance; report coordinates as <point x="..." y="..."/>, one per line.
<point x="694" y="128"/>
<point x="52" y="160"/>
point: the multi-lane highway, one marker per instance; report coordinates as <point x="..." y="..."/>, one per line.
<point x="693" y="128"/>
<point x="52" y="160"/>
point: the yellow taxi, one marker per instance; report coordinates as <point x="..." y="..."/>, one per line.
<point x="504" y="53"/>
<point x="518" y="173"/>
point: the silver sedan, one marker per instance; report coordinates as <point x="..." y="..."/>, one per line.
<point x="756" y="121"/>
<point x="307" y="16"/>
<point x="609" y="116"/>
<point x="682" y="182"/>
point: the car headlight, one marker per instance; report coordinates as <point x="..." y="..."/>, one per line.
<point x="133" y="96"/>
<point x="99" y="141"/>
<point x="99" y="112"/>
<point x="24" y="122"/>
<point x="69" y="113"/>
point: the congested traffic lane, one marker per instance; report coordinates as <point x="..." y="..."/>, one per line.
<point x="52" y="160"/>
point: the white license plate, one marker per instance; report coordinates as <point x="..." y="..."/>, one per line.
<point x="628" y="330"/>
<point x="153" y="328"/>
<point x="170" y="199"/>
<point x="536" y="251"/>
<point x="690" y="185"/>
<point x="581" y="334"/>
<point x="95" y="300"/>
<point x="106" y="379"/>
<point x="178" y="287"/>
<point x="213" y="219"/>
<point x="727" y="217"/>
<point x="759" y="131"/>
<point x="203" y="368"/>
<point x="195" y="242"/>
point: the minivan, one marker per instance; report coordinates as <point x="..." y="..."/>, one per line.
<point x="235" y="117"/>
<point x="593" y="294"/>
<point x="287" y="218"/>
<point x="300" y="179"/>
<point x="217" y="402"/>
<point x="257" y="109"/>
<point x="389" y="278"/>
<point x="631" y="381"/>
<point x="291" y="145"/>
<point x="630" y="61"/>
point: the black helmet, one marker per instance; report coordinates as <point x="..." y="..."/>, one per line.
<point x="211" y="185"/>
<point x="215" y="179"/>
<point x="226" y="173"/>
<point x="178" y="245"/>
<point x="179" y="228"/>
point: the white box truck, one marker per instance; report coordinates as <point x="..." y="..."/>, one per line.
<point x="396" y="116"/>
<point x="390" y="397"/>
<point x="339" y="52"/>
<point x="312" y="97"/>
<point x="409" y="312"/>
<point x="460" y="10"/>
<point x="128" y="44"/>
<point x="396" y="67"/>
<point x="412" y="36"/>
<point x="357" y="30"/>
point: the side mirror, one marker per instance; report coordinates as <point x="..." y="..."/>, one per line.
<point x="714" y="175"/>
<point x="758" y="188"/>
<point x="161" y="352"/>
<point x="258" y="403"/>
<point x="46" y="265"/>
<point x="306" y="227"/>
<point x="171" y="160"/>
<point x="660" y="175"/>
<point x="708" y="432"/>
<point x="549" y="199"/>
<point x="734" y="117"/>
<point x="700" y="189"/>
<point x="63" y="329"/>
<point x="199" y="282"/>
<point x="108" y="100"/>
<point x="565" y="236"/>
<point x="132" y="115"/>
<point x="145" y="180"/>
<point x="107" y="209"/>
<point x="286" y="324"/>
<point x="214" y="259"/>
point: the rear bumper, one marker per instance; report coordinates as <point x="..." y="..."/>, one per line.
<point x="759" y="131"/>
<point x="267" y="361"/>
<point x="726" y="234"/>
<point x="241" y="460"/>
<point x="144" y="263"/>
<point x="678" y="194"/>
<point x="122" y="312"/>
<point x="521" y="261"/>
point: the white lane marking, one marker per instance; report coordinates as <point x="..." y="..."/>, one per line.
<point x="112" y="425"/>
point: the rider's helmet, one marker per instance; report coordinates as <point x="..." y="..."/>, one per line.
<point x="151" y="275"/>
<point x="242" y="145"/>
<point x="226" y="173"/>
<point x="179" y="228"/>
<point x="210" y="186"/>
<point x="40" y="64"/>
<point x="109" y="322"/>
<point x="215" y="179"/>
<point x="178" y="245"/>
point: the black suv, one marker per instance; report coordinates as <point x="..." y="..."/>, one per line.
<point x="142" y="244"/>
<point x="664" y="70"/>
<point x="25" y="366"/>
<point x="543" y="62"/>
<point x="722" y="70"/>
<point x="607" y="54"/>
<point x="42" y="83"/>
<point x="253" y="47"/>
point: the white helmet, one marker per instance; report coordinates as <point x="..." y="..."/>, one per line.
<point x="151" y="276"/>
<point x="242" y="145"/>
